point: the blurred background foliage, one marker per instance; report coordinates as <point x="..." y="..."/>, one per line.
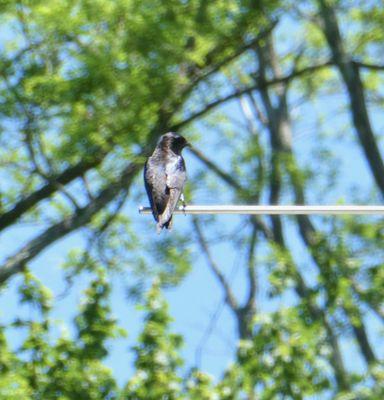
<point x="282" y="101"/>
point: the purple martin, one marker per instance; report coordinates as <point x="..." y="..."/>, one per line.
<point x="164" y="178"/>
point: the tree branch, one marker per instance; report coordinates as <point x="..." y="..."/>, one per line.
<point x="350" y="73"/>
<point x="279" y="127"/>
<point x="25" y="204"/>
<point x="232" y="182"/>
<point x="375" y="67"/>
<point x="225" y="176"/>
<point x="251" y="269"/>
<point x="362" y="339"/>
<point x="82" y="216"/>
<point x="240" y="92"/>
<point x="202" y="74"/>
<point x="229" y="297"/>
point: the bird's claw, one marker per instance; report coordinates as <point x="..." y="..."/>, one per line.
<point x="183" y="203"/>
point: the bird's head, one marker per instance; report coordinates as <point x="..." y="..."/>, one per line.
<point x="173" y="141"/>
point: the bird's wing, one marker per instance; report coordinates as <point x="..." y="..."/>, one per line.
<point x="176" y="177"/>
<point x="151" y="183"/>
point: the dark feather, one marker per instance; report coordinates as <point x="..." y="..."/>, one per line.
<point x="164" y="177"/>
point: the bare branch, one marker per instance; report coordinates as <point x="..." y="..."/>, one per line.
<point x="207" y="333"/>
<point x="362" y="339"/>
<point x="350" y="73"/>
<point x="242" y="91"/>
<point x="229" y="297"/>
<point x="279" y="130"/>
<point x="25" y="204"/>
<point x="374" y="67"/>
<point x="225" y="176"/>
<point x="232" y="182"/>
<point x="262" y="118"/>
<point x="252" y="280"/>
<point x="82" y="216"/>
<point x="87" y="188"/>
<point x="48" y="176"/>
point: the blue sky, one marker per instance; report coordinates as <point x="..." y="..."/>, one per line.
<point x="199" y="297"/>
<point x="194" y="303"/>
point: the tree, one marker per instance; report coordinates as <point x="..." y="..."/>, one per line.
<point x="86" y="91"/>
<point x="60" y="368"/>
<point x="157" y="359"/>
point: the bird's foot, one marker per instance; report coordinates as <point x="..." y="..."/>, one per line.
<point x="183" y="203"/>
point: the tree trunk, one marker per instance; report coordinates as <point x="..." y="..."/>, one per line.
<point x="351" y="76"/>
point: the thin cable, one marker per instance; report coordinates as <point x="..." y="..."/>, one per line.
<point x="276" y="209"/>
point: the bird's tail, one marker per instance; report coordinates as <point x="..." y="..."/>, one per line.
<point x="166" y="225"/>
<point x="165" y="219"/>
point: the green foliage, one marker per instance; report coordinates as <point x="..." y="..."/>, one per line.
<point x="200" y="386"/>
<point x="285" y="356"/>
<point x="34" y="293"/>
<point x="157" y="354"/>
<point x="86" y="89"/>
<point x="13" y="384"/>
<point x="94" y="323"/>
<point x="60" y="368"/>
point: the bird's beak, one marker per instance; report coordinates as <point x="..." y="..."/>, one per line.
<point x="188" y="145"/>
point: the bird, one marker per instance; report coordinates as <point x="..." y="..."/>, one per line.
<point x="164" y="178"/>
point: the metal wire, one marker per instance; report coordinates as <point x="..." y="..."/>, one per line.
<point x="276" y="209"/>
